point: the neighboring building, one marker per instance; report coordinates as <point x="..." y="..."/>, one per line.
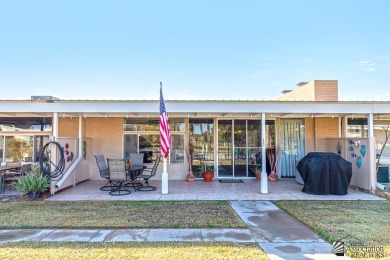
<point x="317" y="90"/>
<point x="232" y="135"/>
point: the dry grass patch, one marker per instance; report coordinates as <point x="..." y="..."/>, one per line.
<point x="118" y="214"/>
<point x="355" y="222"/>
<point x="133" y="250"/>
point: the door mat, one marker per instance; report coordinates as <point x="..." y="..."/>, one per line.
<point x="230" y="181"/>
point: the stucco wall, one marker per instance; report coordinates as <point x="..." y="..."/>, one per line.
<point x="105" y="137"/>
<point x="68" y="127"/>
<point x="68" y="132"/>
<point x="326" y="90"/>
<point x="365" y="175"/>
<point x="325" y="127"/>
<point x="303" y="93"/>
<point x="317" y="90"/>
<point x="309" y="135"/>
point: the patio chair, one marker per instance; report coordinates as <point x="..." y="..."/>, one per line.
<point x="104" y="172"/>
<point x="145" y="177"/>
<point x="118" y="176"/>
<point x="136" y="158"/>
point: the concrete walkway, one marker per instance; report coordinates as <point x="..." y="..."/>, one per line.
<point x="278" y="234"/>
<point x="127" y="235"/>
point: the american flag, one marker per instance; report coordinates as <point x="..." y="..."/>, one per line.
<point x="165" y="135"/>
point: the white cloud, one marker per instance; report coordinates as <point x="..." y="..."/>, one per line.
<point x="370" y="69"/>
<point x="364" y="62"/>
<point x="382" y="57"/>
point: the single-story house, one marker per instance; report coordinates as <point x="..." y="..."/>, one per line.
<point x="232" y="135"/>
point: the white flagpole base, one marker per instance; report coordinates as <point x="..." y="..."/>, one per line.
<point x="164" y="178"/>
<point x="264" y="183"/>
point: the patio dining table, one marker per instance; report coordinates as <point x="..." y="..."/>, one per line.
<point x="2" y="170"/>
<point x="132" y="174"/>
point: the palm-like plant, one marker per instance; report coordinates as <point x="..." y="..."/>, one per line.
<point x="32" y="182"/>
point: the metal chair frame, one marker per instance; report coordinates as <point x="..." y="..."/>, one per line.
<point x="118" y="176"/>
<point x="145" y="177"/>
<point x="104" y="172"/>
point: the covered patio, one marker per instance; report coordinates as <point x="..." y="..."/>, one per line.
<point x="284" y="189"/>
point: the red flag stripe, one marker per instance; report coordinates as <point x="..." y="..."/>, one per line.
<point x="165" y="135"/>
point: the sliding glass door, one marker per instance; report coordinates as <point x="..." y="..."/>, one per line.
<point x="201" y="142"/>
<point x="225" y="159"/>
<point x="239" y="146"/>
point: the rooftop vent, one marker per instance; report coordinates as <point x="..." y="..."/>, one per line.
<point x="44" y="98"/>
<point x="286" y="91"/>
<point x="300" y="84"/>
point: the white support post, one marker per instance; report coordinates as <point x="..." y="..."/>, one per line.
<point x="370" y="125"/>
<point x="339" y="127"/>
<point x="345" y="127"/>
<point x="264" y="179"/>
<point x="55" y="126"/>
<point x="164" y="178"/>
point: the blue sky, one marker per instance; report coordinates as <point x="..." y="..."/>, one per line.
<point x="199" y="49"/>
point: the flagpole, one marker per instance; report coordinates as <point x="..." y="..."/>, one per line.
<point x="164" y="176"/>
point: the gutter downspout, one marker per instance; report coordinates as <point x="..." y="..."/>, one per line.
<point x="73" y="166"/>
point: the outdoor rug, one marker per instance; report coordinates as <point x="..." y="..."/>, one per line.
<point x="230" y="181"/>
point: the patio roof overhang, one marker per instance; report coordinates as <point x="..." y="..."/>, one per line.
<point x="194" y="108"/>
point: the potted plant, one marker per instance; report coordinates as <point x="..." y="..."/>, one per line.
<point x="257" y="172"/>
<point x="32" y="184"/>
<point x="207" y="171"/>
<point x="273" y="158"/>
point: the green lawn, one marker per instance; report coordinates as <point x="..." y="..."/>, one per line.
<point x="353" y="222"/>
<point x="118" y="214"/>
<point x="134" y="250"/>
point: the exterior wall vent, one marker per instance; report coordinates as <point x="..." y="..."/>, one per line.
<point x="286" y="91"/>
<point x="300" y="84"/>
<point x="44" y="98"/>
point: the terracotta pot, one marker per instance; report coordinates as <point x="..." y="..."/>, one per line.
<point x="272" y="179"/>
<point x="190" y="177"/>
<point x="208" y="176"/>
<point x="258" y="176"/>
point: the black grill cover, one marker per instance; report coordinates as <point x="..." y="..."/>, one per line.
<point x="325" y="173"/>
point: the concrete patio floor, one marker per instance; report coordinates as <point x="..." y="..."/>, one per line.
<point x="285" y="189"/>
